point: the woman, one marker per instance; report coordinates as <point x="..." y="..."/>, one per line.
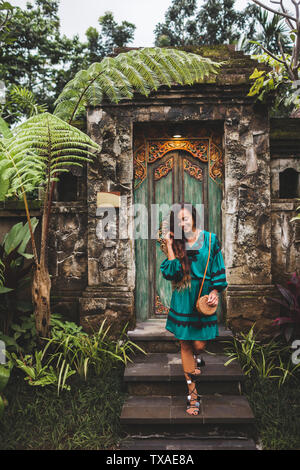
<point x="185" y="266"/>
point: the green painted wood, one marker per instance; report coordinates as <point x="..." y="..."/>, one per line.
<point x="151" y="288"/>
<point x="193" y="188"/>
<point x="214" y="202"/>
<point x="215" y="222"/>
<point x="141" y="259"/>
<point x="163" y="196"/>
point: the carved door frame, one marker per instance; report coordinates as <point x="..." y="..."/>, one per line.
<point x="149" y="150"/>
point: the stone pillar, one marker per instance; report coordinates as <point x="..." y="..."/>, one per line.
<point x="247" y="237"/>
<point x="109" y="294"/>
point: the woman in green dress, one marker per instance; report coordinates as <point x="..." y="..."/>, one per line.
<point x="185" y="266"/>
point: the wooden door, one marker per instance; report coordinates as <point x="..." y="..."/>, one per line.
<point x="176" y="176"/>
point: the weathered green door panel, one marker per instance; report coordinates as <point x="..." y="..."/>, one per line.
<point x="215" y="221"/>
<point x="177" y="176"/>
<point x="163" y="183"/>
<point x="142" y="307"/>
<point x="194" y="185"/>
<point x="214" y="204"/>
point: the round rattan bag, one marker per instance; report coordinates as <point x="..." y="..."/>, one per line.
<point x="203" y="307"/>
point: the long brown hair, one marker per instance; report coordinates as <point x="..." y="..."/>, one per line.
<point x="179" y="243"/>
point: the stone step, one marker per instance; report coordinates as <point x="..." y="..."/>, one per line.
<point x="239" y="443"/>
<point x="152" y="336"/>
<point x="218" y="414"/>
<point x="162" y="374"/>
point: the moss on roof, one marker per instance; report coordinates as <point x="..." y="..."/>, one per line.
<point x="237" y="69"/>
<point x="285" y="129"/>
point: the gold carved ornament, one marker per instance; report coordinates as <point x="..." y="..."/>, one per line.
<point x="202" y="149"/>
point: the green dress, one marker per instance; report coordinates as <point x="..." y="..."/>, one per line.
<point x="183" y="319"/>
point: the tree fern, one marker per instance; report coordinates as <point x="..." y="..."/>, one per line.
<point x="142" y="71"/>
<point x="38" y="151"/>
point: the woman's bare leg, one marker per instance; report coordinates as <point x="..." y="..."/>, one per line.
<point x="189" y="365"/>
<point x="198" y="348"/>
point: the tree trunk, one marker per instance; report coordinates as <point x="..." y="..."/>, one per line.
<point x="41" y="286"/>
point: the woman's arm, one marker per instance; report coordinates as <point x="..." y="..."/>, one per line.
<point x="169" y="243"/>
<point x="171" y="267"/>
<point x="170" y="252"/>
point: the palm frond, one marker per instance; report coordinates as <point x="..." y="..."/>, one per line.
<point x="26" y="100"/>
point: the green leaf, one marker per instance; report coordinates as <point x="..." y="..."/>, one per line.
<point x="26" y="237"/>
<point x="1" y="406"/>
<point x="4" y="129"/>
<point x="4" y="376"/>
<point x="257" y="74"/>
<point x="4" y="290"/>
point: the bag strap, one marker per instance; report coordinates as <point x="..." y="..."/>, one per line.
<point x="206" y="265"/>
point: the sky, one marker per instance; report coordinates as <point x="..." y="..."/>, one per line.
<point x="77" y="15"/>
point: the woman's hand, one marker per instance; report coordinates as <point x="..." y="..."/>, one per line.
<point x="169" y="237"/>
<point x="213" y="298"/>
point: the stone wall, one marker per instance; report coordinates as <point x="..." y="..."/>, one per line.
<point x="285" y="154"/>
<point x="247" y="203"/>
<point x="93" y="279"/>
<point x="67" y="255"/>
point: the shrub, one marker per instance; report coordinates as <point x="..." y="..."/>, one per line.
<point x="268" y="360"/>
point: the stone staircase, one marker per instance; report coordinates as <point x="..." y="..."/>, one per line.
<point x="154" y="416"/>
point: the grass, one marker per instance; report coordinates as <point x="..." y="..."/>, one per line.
<point x="88" y="416"/>
<point x="84" y="418"/>
<point x="272" y="386"/>
<point x="277" y="412"/>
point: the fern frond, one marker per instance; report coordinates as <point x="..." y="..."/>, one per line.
<point x="134" y="69"/>
<point x="4" y="129"/>
<point x="142" y="70"/>
<point x="38" y="147"/>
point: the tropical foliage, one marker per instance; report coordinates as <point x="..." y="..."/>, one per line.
<point x="38" y="152"/>
<point x="34" y="54"/>
<point x="102" y="43"/>
<point x="19" y="103"/>
<point x="15" y="275"/>
<point x="6" y="11"/>
<point x="266" y="30"/>
<point x="4" y="377"/>
<point x="70" y="351"/>
<point x="269" y="360"/>
<point x="291" y="63"/>
<point x="290" y="307"/>
<point x="137" y="71"/>
<point x="275" y="84"/>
